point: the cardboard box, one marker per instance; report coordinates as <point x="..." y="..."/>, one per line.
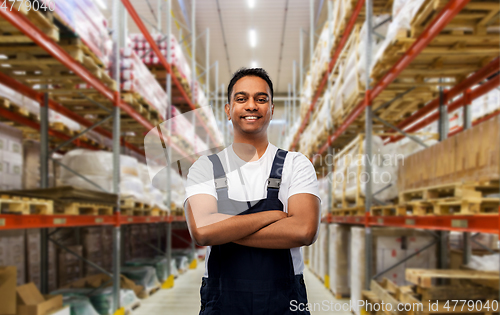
<point x="8" y="278"/>
<point x="31" y="302"/>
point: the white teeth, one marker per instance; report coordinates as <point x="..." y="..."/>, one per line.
<point x="250" y="118"/>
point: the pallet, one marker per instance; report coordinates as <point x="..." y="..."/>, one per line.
<point x="457" y="198"/>
<point x="424" y="277"/>
<point x="10" y="204"/>
<point x="84" y="208"/>
<point x="434" y="300"/>
<point x="355" y="211"/>
<point x="131" y="203"/>
<point x="44" y="21"/>
<point x="387" y="210"/>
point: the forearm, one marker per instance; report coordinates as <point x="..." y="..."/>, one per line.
<point x="287" y="233"/>
<point x="234" y="228"/>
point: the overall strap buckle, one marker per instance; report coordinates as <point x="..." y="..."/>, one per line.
<point x="220" y="183"/>
<point x="273" y="183"/>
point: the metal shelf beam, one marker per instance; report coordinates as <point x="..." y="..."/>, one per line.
<point x="36" y="221"/>
<point x="460" y="223"/>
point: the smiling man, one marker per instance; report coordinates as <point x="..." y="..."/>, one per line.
<point x="254" y="206"/>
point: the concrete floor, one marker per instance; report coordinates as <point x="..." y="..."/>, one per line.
<point x="184" y="297"/>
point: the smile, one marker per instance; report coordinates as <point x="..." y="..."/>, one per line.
<point x="251" y="118"/>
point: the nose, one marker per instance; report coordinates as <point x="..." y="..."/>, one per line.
<point x="251" y="105"/>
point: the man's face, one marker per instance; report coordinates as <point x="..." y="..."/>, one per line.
<point x="250" y="109"/>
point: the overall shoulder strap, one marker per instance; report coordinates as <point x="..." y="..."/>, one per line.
<point x="274" y="180"/>
<point x="220" y="179"/>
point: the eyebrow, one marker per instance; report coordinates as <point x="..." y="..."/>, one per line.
<point x="246" y="94"/>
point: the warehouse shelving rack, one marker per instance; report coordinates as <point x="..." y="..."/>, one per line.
<point x="58" y="221"/>
<point x="460" y="223"/>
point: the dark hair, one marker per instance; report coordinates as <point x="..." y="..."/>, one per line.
<point x="245" y="72"/>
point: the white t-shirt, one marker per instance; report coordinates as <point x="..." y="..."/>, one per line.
<point x="247" y="181"/>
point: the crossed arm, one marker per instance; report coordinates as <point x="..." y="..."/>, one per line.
<point x="268" y="229"/>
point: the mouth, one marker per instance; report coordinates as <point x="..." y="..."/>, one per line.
<point x="251" y="118"/>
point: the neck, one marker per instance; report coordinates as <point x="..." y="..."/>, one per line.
<point x="257" y="142"/>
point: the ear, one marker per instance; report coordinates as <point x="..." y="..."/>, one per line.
<point x="227" y="108"/>
<point x="272" y="110"/>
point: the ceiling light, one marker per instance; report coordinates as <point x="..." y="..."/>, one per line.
<point x="253" y="64"/>
<point x="252" y="34"/>
<point x="251" y="4"/>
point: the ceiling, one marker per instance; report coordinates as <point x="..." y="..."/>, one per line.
<point x="277" y="24"/>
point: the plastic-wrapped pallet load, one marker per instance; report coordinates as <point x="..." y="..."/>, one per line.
<point x="154" y="196"/>
<point x="339" y="256"/>
<point x="86" y="20"/>
<point x="159" y="263"/>
<point x="137" y="78"/>
<point x="143" y="275"/>
<point x="143" y="49"/>
<point x="11" y="158"/>
<point x="79" y="305"/>
<point x="390" y="245"/>
<point x="98" y="167"/>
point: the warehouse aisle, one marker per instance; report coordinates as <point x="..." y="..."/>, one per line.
<point x="317" y="294"/>
<point x="184" y="298"/>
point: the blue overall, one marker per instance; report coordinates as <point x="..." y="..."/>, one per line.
<point x="247" y="280"/>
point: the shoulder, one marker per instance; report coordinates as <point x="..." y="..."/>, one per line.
<point x="297" y="159"/>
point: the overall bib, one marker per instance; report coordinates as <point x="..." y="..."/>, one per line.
<point x="246" y="280"/>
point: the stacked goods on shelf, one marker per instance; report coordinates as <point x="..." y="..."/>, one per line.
<point x="457" y="175"/>
<point x="97" y="166"/>
<point x="30" y="109"/>
<point x="476" y="26"/>
<point x="88" y="23"/>
<point x="339" y="260"/>
<point x="349" y="177"/>
<point x="481" y="107"/>
<point x="181" y="68"/>
<point x="12" y="252"/>
<point x="96" y="242"/>
<point x="323" y="240"/>
<point x="153" y="195"/>
<point x="11" y="158"/>
<point x="318" y="130"/>
<point x="324" y="190"/>
<point x="390" y="245"/>
<point x="69" y="267"/>
<point x="342" y="11"/>
<point x="429" y="292"/>
<point x="137" y="79"/>
<point x="33" y="260"/>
